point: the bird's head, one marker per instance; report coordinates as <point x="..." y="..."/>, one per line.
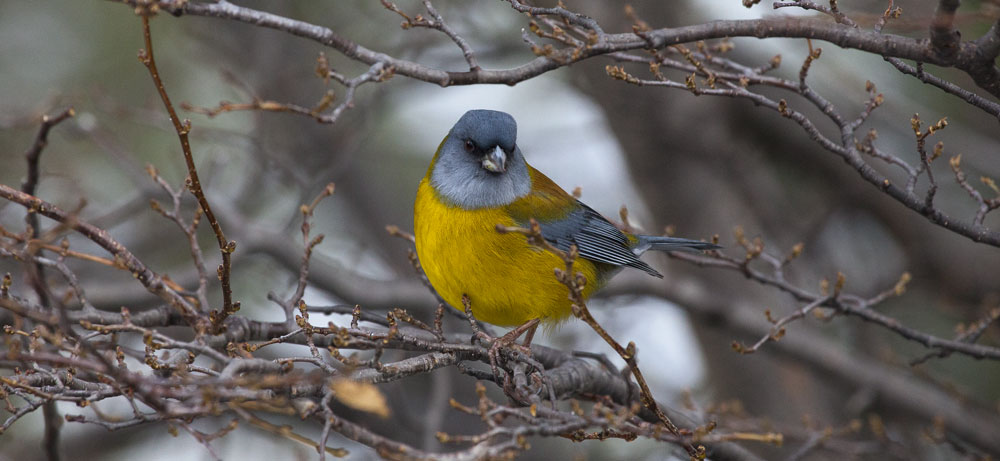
<point x="479" y="165"/>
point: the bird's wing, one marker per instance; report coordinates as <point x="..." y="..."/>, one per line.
<point x="565" y="221"/>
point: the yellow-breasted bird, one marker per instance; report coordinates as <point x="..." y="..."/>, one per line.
<point x="479" y="179"/>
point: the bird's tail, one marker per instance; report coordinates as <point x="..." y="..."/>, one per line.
<point x="653" y="242"/>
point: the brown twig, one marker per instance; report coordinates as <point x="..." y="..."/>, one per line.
<point x="575" y="283"/>
<point x="32" y="156"/>
<point x="226" y="247"/>
<point x="845" y="147"/>
<point x="438" y="23"/>
<point x="189" y="230"/>
<point x="969" y="334"/>
<point x="308" y="244"/>
<point x="378" y="72"/>
<point x="778" y="330"/>
<point x="846" y="304"/>
<point x="36" y="271"/>
<point x="149" y="279"/>
<point x="967" y="59"/>
<point x="985" y="205"/>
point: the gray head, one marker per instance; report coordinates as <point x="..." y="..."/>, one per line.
<point x="479" y="164"/>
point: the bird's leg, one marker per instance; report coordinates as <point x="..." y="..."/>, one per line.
<point x="510" y="339"/>
<point x="529" y="335"/>
<point x="477" y="333"/>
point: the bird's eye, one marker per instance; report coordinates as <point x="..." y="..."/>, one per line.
<point x="469" y="146"/>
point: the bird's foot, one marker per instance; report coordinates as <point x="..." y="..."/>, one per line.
<point x="497" y="348"/>
<point x="509" y="341"/>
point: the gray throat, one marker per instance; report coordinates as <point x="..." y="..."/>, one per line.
<point x="475" y="188"/>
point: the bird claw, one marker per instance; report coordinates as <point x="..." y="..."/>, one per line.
<point x="509" y="340"/>
<point x="497" y="347"/>
<point x="483" y="338"/>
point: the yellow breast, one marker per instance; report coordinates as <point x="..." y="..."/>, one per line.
<point x="508" y="280"/>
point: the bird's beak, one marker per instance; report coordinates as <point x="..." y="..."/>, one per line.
<point x="495" y="161"/>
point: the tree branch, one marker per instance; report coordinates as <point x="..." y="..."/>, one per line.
<point x="968" y="56"/>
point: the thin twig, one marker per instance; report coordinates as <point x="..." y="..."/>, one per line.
<point x="575" y="283"/>
<point x="226" y="247"/>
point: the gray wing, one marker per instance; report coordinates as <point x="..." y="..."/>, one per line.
<point x="595" y="238"/>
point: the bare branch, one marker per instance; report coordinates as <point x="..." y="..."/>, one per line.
<point x="149" y="279"/>
<point x="376" y="73"/>
<point x="226" y="247"/>
<point x="967" y="57"/>
<point x="846" y="304"/>
<point x="179" y="363"/>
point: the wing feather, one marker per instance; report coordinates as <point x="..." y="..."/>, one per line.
<point x="565" y="221"/>
<point x="595" y="237"/>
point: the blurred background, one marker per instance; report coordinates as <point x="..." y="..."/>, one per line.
<point x="702" y="165"/>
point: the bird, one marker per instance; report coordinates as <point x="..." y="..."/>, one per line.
<point x="478" y="180"/>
